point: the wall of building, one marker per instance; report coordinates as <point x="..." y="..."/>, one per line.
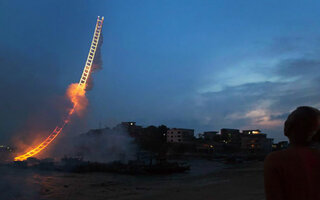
<point x="180" y="135"/>
<point x="256" y="143"/>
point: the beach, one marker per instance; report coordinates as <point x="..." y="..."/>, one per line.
<point x="206" y="180"/>
<point x="244" y="183"/>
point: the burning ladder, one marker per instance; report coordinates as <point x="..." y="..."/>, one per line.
<point x="92" y="52"/>
<point x="81" y="85"/>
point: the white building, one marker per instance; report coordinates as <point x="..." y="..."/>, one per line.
<point x="180" y="135"/>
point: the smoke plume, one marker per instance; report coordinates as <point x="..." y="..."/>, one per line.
<point x="96" y="64"/>
<point x="78" y="98"/>
<point x="105" y="145"/>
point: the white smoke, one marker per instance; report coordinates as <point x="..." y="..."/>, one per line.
<point x="105" y="145"/>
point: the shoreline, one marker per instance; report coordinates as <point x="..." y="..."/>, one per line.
<point x="237" y="182"/>
<point x="244" y="182"/>
<point x="223" y="182"/>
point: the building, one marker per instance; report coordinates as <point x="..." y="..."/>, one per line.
<point x="180" y="135"/>
<point x="256" y="142"/>
<point x="210" y="135"/>
<point x="4" y="148"/>
<point x="280" y="145"/>
<point x="6" y="153"/>
<point x="209" y="142"/>
<point x="128" y="124"/>
<point x="228" y="134"/>
<point x="251" y="132"/>
<point x="231" y="138"/>
<point x="131" y="127"/>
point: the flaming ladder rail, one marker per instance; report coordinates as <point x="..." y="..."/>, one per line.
<point x="92" y="52"/>
<point x="81" y="86"/>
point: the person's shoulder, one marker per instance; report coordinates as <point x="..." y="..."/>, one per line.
<point x="276" y="157"/>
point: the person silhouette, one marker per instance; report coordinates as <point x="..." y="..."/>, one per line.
<point x="294" y="173"/>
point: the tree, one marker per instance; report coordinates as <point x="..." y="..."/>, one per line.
<point x="153" y="139"/>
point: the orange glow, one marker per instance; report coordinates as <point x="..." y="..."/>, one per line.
<point x="77" y="96"/>
<point x="43" y="145"/>
<point x="75" y="93"/>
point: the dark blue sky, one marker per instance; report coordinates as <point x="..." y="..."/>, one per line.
<point x="193" y="64"/>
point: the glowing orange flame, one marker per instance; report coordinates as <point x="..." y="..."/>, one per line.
<point x="76" y="94"/>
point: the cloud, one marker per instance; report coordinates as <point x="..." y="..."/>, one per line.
<point x="292" y="80"/>
<point x="282" y="116"/>
<point x="298" y="67"/>
<point x="256" y="105"/>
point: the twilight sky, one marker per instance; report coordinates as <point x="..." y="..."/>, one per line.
<point x="193" y="64"/>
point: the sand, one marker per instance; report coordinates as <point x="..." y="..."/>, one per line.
<point x="235" y="183"/>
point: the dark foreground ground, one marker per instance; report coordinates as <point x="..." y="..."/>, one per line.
<point x="238" y="182"/>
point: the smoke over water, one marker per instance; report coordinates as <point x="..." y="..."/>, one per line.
<point x="98" y="145"/>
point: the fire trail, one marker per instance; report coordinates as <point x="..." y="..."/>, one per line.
<point x="75" y="93"/>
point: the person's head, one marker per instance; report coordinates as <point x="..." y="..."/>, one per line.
<point x="301" y="125"/>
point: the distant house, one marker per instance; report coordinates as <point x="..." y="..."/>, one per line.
<point x="210" y="135"/>
<point x="251" y="132"/>
<point x="255" y="141"/>
<point x="229" y="133"/>
<point x="280" y="145"/>
<point x="5" y="153"/>
<point x="180" y="135"/>
<point x="231" y="139"/>
<point x="4" y="148"/>
<point x="131" y="127"/>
